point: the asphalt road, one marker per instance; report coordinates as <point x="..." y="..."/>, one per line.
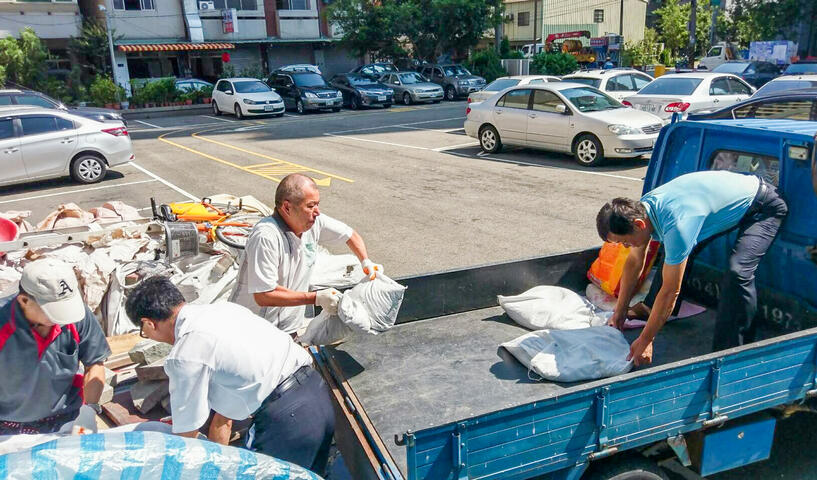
<point x="407" y="179"/>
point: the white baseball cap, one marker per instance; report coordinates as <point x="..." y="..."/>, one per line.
<point x="53" y="285"/>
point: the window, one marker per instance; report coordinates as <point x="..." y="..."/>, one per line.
<point x="715" y="52"/>
<point x="767" y="168"/>
<point x="671" y="86"/>
<point x="593" y="82"/>
<point x="6" y="128"/>
<point x="292" y="4"/>
<point x="536" y="80"/>
<point x="778" y="85"/>
<point x="309" y="80"/>
<point x="223" y="86"/>
<point x="64" y="124"/>
<point x="35" y="100"/>
<point x="502" y="84"/>
<point x="590" y="100"/>
<point x="133" y="5"/>
<point x="523" y="19"/>
<point x="5" y="99"/>
<point x="738" y="88"/>
<point x="37" y="125"/>
<point x="544" y="101"/>
<point x="237" y="4"/>
<point x="792" y="109"/>
<point x="640" y="81"/>
<point x="438" y="72"/>
<point x="515" y="99"/>
<point x="621" y="83"/>
<point x="720" y="86"/>
<point x="251" y="86"/>
<point x="764" y="67"/>
<point x="598" y="16"/>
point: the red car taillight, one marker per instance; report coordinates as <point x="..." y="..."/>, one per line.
<point x="676" y="107"/>
<point x="627" y="104"/>
<point x="117" y="132"/>
<point x="469" y="99"/>
<point x="468" y="110"/>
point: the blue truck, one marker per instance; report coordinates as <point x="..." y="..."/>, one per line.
<point x="436" y="398"/>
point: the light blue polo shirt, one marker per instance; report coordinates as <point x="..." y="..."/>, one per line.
<point x="693" y="207"/>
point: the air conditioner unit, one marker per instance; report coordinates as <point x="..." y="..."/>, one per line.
<point x="207" y="5"/>
<point x="509" y="17"/>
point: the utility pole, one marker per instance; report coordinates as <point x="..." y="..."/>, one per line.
<point x="621" y="21"/>
<point x="714" y="22"/>
<point x="692" y="25"/>
<point x="110" y="44"/>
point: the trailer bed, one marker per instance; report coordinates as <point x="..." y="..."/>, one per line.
<point x="433" y="372"/>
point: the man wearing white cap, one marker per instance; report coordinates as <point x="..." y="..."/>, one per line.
<point x="46" y="330"/>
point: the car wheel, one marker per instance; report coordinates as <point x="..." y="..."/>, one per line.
<point x="238" y="114"/>
<point x="489" y="140"/>
<point x="354" y="103"/>
<point x="588" y="151"/>
<point x="407" y="98"/>
<point x="450" y="93"/>
<point x="216" y="111"/>
<point x="88" y="168"/>
<point x="299" y="106"/>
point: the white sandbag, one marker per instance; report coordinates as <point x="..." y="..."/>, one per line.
<point x="325" y="329"/>
<point x="573" y="355"/>
<point x="335" y="271"/>
<point x="372" y="305"/>
<point x="549" y="306"/>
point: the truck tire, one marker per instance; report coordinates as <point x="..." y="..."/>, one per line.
<point x="489" y="140"/>
<point x="450" y="93"/>
<point x="587" y="151"/>
<point x="628" y="467"/>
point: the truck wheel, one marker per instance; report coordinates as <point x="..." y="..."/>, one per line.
<point x="629" y="467"/>
<point x="588" y="151"/>
<point x="450" y="93"/>
<point x="489" y="140"/>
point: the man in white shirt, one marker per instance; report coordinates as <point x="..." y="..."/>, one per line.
<point x="229" y="360"/>
<point x="273" y="280"/>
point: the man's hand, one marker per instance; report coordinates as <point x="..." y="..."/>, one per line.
<point x="371" y="269"/>
<point x="328" y="300"/>
<point x="617" y="321"/>
<point x="641" y="351"/>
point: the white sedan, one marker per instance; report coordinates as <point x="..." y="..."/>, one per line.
<point x="38" y="143"/>
<point x="507" y="82"/>
<point x="619" y="83"/>
<point x="563" y="117"/>
<point x="245" y="97"/>
<point x="689" y="92"/>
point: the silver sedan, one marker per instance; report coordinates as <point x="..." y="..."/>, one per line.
<point x="562" y="117"/>
<point x="412" y="87"/>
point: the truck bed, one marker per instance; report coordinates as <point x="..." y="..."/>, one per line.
<point x="432" y="372"/>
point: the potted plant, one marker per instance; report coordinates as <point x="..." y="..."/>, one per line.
<point x="207" y="94"/>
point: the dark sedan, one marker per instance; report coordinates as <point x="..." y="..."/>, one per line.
<point x="803" y="67"/>
<point x="375" y="70"/>
<point x="755" y="73"/>
<point x="792" y="105"/>
<point x="359" y="91"/>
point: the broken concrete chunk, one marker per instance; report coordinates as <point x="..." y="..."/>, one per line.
<point x="147" y="395"/>
<point x="107" y="394"/>
<point x="110" y="377"/>
<point x="124" y="376"/>
<point x="154" y="371"/>
<point x="149" y="351"/>
<point x="166" y="404"/>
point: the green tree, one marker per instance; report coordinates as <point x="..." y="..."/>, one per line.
<point x="643" y="52"/>
<point x="91" y="47"/>
<point x="554" y="63"/>
<point x="372" y="26"/>
<point x="672" y="25"/>
<point x="506" y="52"/>
<point x="486" y="64"/>
<point x="23" y="59"/>
<point x="754" y="20"/>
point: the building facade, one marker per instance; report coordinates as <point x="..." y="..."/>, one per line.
<point x="54" y="21"/>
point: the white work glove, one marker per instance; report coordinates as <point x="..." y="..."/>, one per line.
<point x="371" y="269"/>
<point x="328" y="300"/>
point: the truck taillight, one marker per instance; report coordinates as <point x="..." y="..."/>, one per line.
<point x="467" y="110"/>
<point x="627" y="104"/>
<point x="117" y="132"/>
<point x="676" y="107"/>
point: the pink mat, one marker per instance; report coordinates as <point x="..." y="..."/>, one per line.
<point x="687" y="310"/>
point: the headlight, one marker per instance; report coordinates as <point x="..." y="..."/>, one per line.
<point x="338" y="94"/>
<point x="624" y="130"/>
<point x="310" y="95"/>
<point x="390" y="92"/>
<point x="248" y="101"/>
<point x="463" y="82"/>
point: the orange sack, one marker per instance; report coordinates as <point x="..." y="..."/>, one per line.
<point x="606" y="270"/>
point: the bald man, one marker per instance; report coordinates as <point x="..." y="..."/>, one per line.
<point x="273" y="280"/>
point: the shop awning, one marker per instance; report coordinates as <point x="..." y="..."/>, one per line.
<point x="169" y="47"/>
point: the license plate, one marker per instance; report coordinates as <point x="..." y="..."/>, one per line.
<point x="381" y="98"/>
<point x="268" y="108"/>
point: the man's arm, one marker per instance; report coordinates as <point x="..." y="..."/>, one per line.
<point x="673" y="277"/>
<point x="629" y="279"/>
<point x="191" y="434"/>
<point x="221" y="428"/>
<point x="94" y="382"/>
<point x="284" y="297"/>
<point x="356" y="245"/>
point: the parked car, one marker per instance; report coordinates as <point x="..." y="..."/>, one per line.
<point x="456" y="80"/>
<point x="803" y="67"/>
<point x="755" y="73"/>
<point x="619" y="83"/>
<point x="305" y="90"/>
<point x="689" y="92"/>
<point x="375" y="70"/>
<point x="246" y="97"/>
<point x="187" y="85"/>
<point x="787" y="82"/>
<point x="412" y="87"/>
<point x="507" y="82"/>
<point x="361" y="91"/>
<point x="20" y="96"/>
<point x="792" y="105"/>
<point x="300" y="67"/>
<point x="563" y="117"/>
<point x="39" y="143"/>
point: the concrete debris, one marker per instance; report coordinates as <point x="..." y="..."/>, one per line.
<point x="149" y="351"/>
<point x="146" y="395"/>
<point x="153" y="371"/>
<point x="107" y="394"/>
<point x="166" y="404"/>
<point x="110" y="377"/>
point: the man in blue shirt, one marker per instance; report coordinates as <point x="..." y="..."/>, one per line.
<point x="608" y="64"/>
<point x="681" y="214"/>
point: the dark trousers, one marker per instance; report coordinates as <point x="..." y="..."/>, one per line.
<point x="735" y="322"/>
<point x="298" y="424"/>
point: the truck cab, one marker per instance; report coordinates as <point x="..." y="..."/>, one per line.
<point x="718" y="54"/>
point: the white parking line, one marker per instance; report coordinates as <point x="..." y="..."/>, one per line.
<point x="174" y="187"/>
<point x="376" y="141"/>
<point x="217" y="118"/>
<point x="451" y="147"/>
<point x="101" y="187"/>
<point x="148" y="124"/>
<point x="398" y="125"/>
<point x="530" y="164"/>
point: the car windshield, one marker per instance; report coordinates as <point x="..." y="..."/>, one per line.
<point x="309" y="80"/>
<point x="593" y="82"/>
<point x="409" y="78"/>
<point x="361" y="81"/>
<point x="731" y="67"/>
<point x="253" y="86"/>
<point x="455" y="70"/>
<point x="502" y="84"/>
<point x="671" y="86"/>
<point x="781" y="85"/>
<point x="384" y="68"/>
<point x="796" y="68"/>
<point x="588" y="99"/>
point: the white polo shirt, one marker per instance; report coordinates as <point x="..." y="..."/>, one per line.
<point x="226" y="359"/>
<point x="274" y="256"/>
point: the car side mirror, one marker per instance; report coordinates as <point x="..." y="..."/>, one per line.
<point x="228" y="92"/>
<point x="560" y="108"/>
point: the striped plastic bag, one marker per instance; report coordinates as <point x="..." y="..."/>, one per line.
<point x="606" y="270"/>
<point x="143" y="455"/>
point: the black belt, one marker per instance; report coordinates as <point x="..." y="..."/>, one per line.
<point x="298" y="378"/>
<point x="755" y="207"/>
